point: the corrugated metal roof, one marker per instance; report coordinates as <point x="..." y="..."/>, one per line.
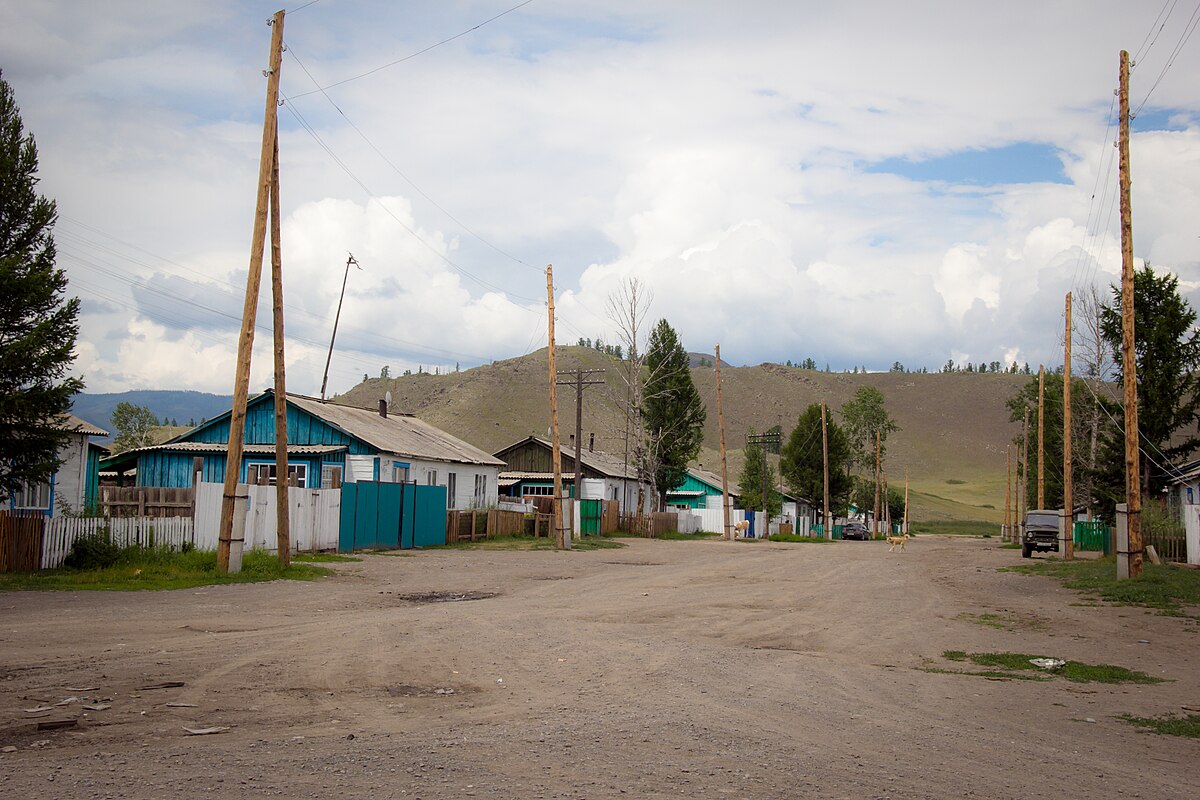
<point x="535" y="476"/>
<point x="686" y="493"/>
<point x="607" y="465"/>
<point x="70" y="422"/>
<point x="399" y="434"/>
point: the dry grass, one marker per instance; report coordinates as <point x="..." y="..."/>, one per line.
<point x="953" y="427"/>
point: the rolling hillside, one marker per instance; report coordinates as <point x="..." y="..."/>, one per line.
<point x="953" y="427"/>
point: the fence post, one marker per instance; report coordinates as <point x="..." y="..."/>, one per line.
<point x="1121" y="531"/>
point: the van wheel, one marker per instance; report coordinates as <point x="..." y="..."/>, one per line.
<point x="1026" y="550"/>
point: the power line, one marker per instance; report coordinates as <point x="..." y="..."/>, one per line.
<point x="414" y="55"/>
<point x="372" y="196"/>
<point x="1138" y="55"/>
<point x="404" y="344"/>
<point x="398" y="171"/>
<point x="1188" y="29"/>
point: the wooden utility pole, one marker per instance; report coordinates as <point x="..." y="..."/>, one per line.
<point x="1041" y="484"/>
<point x="241" y="389"/>
<point x="1133" y="485"/>
<point x="282" y="525"/>
<point x="560" y="539"/>
<point x="325" y="379"/>
<point x="827" y="521"/>
<point x="1024" y="484"/>
<point x="878" y="448"/>
<point x="905" y="530"/>
<point x="1007" y="535"/>
<point x="1068" y="482"/>
<point x="724" y="467"/>
<point x="578" y="383"/>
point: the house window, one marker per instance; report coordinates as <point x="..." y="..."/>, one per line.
<point x="32" y="495"/>
<point x="255" y="472"/>
<point x="537" y="491"/>
<point x="328" y="471"/>
<point x="451" y="487"/>
<point x="399" y="472"/>
<point x="432" y="477"/>
<point x="480" y="490"/>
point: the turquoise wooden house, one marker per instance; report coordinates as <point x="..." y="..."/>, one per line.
<point x="328" y="444"/>
<point x="697" y="487"/>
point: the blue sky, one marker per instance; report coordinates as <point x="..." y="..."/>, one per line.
<point x="797" y="159"/>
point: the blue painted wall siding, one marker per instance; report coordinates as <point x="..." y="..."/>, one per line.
<point x="175" y="469"/>
<point x="303" y="428"/>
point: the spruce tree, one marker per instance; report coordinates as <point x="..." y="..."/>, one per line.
<point x="672" y="411"/>
<point x="38" y="325"/>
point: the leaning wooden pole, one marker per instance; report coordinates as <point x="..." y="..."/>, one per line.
<point x="1133" y="485"/>
<point x="241" y="388"/>
<point x="724" y="466"/>
<point x="555" y="444"/>
<point x="826" y="520"/>
<point x="878" y="460"/>
<point x="1068" y="482"/>
<point x="1006" y="534"/>
<point x="1041" y="484"/>
<point x="283" y="539"/>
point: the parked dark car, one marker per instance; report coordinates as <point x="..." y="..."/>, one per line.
<point x="1041" y="532"/>
<point x="855" y="530"/>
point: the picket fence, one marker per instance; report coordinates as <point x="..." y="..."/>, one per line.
<point x="61" y="532"/>
<point x="314" y="516"/>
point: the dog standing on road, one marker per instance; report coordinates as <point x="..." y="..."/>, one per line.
<point x="897" y="540"/>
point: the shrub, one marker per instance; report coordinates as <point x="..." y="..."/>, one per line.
<point x="94" y="551"/>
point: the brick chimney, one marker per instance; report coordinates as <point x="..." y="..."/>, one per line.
<point x="383" y="408"/>
<point x="591" y="442"/>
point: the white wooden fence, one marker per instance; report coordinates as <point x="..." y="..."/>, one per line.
<point x="313" y="517"/>
<point x="61" y="532"/>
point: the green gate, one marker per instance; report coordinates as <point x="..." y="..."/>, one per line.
<point x="590" y="512"/>
<point x="391" y="515"/>
<point x="1094" y="536"/>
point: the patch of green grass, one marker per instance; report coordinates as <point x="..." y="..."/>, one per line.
<point x="1015" y="676"/>
<point x="1169" y="725"/>
<point x="794" y="538"/>
<point x="1075" y="671"/>
<point x="161" y="569"/>
<point x="1159" y="586"/>
<point x="955" y="481"/>
<point x="988" y="620"/>
<point x="955" y="527"/>
<point x="1011" y="546"/>
<point x="673" y="536"/>
<point x="322" y="558"/>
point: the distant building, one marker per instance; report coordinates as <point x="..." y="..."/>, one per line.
<point x="529" y="472"/>
<point x="328" y="443"/>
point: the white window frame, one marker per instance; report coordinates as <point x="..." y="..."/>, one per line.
<point x="431" y="477"/>
<point x="254" y="471"/>
<point x="327" y="473"/>
<point x="33" y="497"/>
<point x="480" y="489"/>
<point x="451" y="488"/>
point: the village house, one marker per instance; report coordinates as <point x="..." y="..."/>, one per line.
<point x="328" y="444"/>
<point x="74" y="485"/>
<point x="529" y="472"/>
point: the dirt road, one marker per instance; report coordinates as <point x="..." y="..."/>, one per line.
<point x="695" y="669"/>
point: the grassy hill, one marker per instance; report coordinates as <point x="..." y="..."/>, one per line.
<point x="953" y="433"/>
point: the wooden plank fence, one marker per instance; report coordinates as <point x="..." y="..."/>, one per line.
<point x="146" y="501"/>
<point x="472" y="526"/>
<point x="61" y="533"/>
<point x="21" y="540"/>
<point x="650" y="525"/>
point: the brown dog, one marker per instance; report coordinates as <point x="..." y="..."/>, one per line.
<point x="740" y="528"/>
<point x="897" y="540"/>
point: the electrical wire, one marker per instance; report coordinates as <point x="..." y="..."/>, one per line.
<point x="1188" y="29"/>
<point x="1138" y="55"/>
<point x="413" y="55"/>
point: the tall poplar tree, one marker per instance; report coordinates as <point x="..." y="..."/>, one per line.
<point x="38" y="326"/>
<point x="672" y="412"/>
